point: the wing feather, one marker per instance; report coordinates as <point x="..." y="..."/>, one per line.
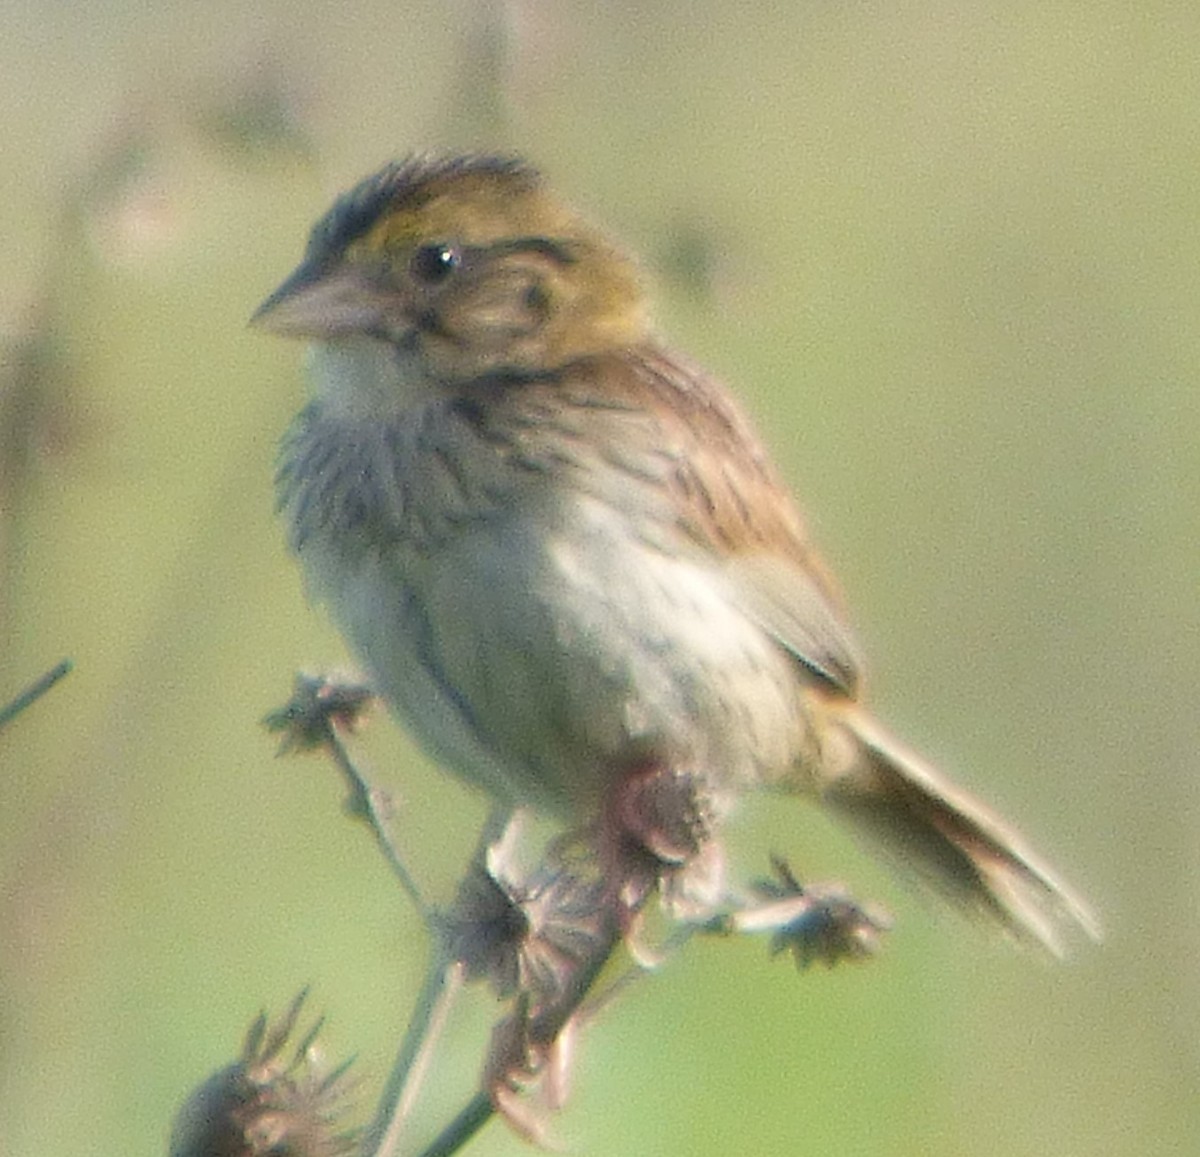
<point x="689" y="469"/>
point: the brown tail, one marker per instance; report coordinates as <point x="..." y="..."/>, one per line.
<point x="937" y="831"/>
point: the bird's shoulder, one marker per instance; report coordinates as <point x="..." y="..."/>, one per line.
<point x="650" y="430"/>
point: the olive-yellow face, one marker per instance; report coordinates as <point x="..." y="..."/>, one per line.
<point x="469" y="264"/>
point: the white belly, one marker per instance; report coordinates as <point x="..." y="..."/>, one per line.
<point x="540" y="667"/>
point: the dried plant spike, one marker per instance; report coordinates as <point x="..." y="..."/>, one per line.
<point x="814" y="922"/>
<point x="318" y="707"/>
<point x="267" y="1103"/>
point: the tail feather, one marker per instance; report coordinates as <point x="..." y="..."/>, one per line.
<point x="949" y="840"/>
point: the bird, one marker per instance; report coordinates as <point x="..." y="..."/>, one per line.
<point x="560" y="550"/>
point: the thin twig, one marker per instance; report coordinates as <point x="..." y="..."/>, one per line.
<point x="476" y="1113"/>
<point x="543" y="1028"/>
<point x="372" y="805"/>
<point x="443" y="980"/>
<point x="310" y="721"/>
<point x="442" y="984"/>
<point x="598" y="1001"/>
<point x="34" y="691"/>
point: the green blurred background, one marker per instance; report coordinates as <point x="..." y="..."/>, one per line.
<point x="950" y="255"/>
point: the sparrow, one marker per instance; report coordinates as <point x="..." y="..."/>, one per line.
<point x="560" y="550"/>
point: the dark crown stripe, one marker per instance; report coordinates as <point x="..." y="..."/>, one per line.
<point x="404" y="184"/>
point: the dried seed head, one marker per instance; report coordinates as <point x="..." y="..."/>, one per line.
<point x="319" y="706"/>
<point x="267" y="1102"/>
<point x="526" y="932"/>
<point x="815" y="922"/>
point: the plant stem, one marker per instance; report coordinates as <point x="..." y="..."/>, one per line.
<point x="34" y="691"/>
<point x="543" y="1028"/>
<point x="442" y="984"/>
<point x="371" y="805"/>
<point x="472" y="1117"/>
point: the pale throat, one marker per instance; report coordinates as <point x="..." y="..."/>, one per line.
<point x="360" y="377"/>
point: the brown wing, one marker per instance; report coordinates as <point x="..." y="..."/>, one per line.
<point x="702" y="475"/>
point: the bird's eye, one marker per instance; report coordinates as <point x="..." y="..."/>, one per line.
<point x="434" y="263"/>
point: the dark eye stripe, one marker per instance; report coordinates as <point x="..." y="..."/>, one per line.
<point x="433" y="264"/>
<point x="555" y="250"/>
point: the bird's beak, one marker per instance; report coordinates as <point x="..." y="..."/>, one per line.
<point x="316" y="302"/>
